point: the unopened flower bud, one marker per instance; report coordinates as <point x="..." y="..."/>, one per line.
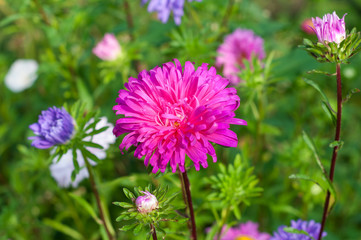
<point x="146" y="203"/>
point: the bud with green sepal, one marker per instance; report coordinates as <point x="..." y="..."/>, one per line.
<point x="335" y="44"/>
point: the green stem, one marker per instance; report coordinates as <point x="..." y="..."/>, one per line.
<point x="335" y="149"/>
<point x="225" y="214"/>
<point x="97" y="197"/>
<point x="42" y="12"/>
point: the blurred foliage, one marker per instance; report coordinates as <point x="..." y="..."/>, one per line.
<point x="60" y="35"/>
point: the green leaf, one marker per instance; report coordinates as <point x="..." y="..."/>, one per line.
<point x="315" y="86"/>
<point x="123" y="204"/>
<point x="321" y="72"/>
<point x="128" y="227"/>
<point x="91" y="144"/>
<point x="137" y="229"/>
<point x="307" y="42"/>
<point x="75" y="161"/>
<point x="89" y="155"/>
<point x="349" y="94"/>
<point x="338" y="144"/>
<point x="86" y="206"/>
<point x="63" y="228"/>
<point x="128" y="193"/>
<point x="296" y="231"/>
<point x="311" y="145"/>
<point x="95" y="132"/>
<point x="303" y="177"/>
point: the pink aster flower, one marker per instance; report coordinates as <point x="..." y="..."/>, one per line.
<point x="330" y="28"/>
<point x="108" y="48"/>
<point x="171" y="112"/>
<point x="307" y="26"/>
<point x="245" y="231"/>
<point x="236" y="48"/>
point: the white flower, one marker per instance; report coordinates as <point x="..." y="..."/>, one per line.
<point x="21" y="75"/>
<point x="61" y="170"/>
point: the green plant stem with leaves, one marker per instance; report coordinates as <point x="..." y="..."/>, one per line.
<point x="97" y="197"/>
<point x="225" y="214"/>
<point x="186" y="185"/>
<point x="335" y="149"/>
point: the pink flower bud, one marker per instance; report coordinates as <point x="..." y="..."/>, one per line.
<point x="307" y="26"/>
<point x="330" y="28"/>
<point x="108" y="48"/>
<point x="146" y="203"/>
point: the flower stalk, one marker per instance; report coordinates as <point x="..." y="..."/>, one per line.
<point x="188" y="197"/>
<point x="335" y="149"/>
<point x="153" y="231"/>
<point x="97" y="197"/>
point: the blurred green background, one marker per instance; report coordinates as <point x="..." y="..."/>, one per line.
<point x="60" y="35"/>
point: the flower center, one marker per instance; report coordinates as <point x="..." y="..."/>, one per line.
<point x="244" y="238"/>
<point x="174" y="114"/>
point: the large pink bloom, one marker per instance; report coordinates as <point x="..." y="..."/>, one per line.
<point x="236" y="48"/>
<point x="170" y="112"/>
<point x="245" y="231"/>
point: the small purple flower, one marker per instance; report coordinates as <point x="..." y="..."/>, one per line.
<point x="55" y="126"/>
<point x="245" y="231"/>
<point x="311" y="227"/>
<point x="108" y="48"/>
<point x="236" y="48"/>
<point x="164" y="7"/>
<point x="330" y="28"/>
<point x="146" y="203"/>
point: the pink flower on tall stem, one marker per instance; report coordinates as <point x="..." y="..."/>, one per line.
<point x="171" y="112"/>
<point x="108" y="48"/>
<point x="238" y="47"/>
<point x="245" y="231"/>
<point x="330" y="28"/>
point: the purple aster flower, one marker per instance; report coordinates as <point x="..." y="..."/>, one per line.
<point x="55" y="126"/>
<point x="245" y="231"/>
<point x="237" y="47"/>
<point x="311" y="227"/>
<point x="164" y="7"/>
<point x="170" y="112"/>
<point x="146" y="203"/>
<point x="61" y="170"/>
<point x="330" y="28"/>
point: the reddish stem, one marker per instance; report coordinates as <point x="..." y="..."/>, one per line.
<point x="335" y="149"/>
<point x="190" y="204"/>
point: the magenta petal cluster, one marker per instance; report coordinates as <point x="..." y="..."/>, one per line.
<point x="236" y="48"/>
<point x="108" y="48"/>
<point x="146" y="203"/>
<point x="330" y="28"/>
<point x="171" y="112"/>
<point x="245" y="231"/>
